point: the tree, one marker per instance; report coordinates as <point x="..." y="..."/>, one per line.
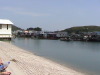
<point x="30" y="28"/>
<point x="37" y="29"/>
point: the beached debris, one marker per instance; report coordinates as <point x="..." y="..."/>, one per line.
<point x="14" y="60"/>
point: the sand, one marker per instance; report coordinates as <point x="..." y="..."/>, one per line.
<point x="28" y="63"/>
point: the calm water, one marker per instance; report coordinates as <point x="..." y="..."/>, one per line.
<point x="81" y="55"/>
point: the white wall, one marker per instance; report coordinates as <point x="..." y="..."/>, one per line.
<point x="4" y="29"/>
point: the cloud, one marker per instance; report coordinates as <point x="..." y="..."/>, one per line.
<point x="22" y="11"/>
<point x="32" y="14"/>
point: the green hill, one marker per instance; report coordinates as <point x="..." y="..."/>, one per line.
<point x="79" y="29"/>
<point x="14" y="28"/>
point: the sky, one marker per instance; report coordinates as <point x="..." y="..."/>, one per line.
<point x="51" y="15"/>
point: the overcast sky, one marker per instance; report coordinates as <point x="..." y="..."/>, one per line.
<point x="51" y="14"/>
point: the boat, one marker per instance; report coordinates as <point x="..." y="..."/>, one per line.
<point x="64" y="39"/>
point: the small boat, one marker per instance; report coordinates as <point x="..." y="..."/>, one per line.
<point x="64" y="39"/>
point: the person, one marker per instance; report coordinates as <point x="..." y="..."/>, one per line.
<point x="3" y="72"/>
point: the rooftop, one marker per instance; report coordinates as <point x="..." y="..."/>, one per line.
<point x="5" y="21"/>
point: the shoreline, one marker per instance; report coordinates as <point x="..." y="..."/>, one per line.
<point x="28" y="63"/>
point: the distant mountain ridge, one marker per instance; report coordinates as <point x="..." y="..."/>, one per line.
<point x="82" y="29"/>
<point x="76" y="29"/>
<point x="14" y="28"/>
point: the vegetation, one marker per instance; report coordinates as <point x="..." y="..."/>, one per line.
<point x="80" y="29"/>
<point x="36" y="29"/>
<point x="77" y="29"/>
<point x="14" y="28"/>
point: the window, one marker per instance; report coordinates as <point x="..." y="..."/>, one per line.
<point x="0" y="26"/>
<point x="7" y="26"/>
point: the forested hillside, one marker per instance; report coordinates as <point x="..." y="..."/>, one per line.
<point x="83" y="29"/>
<point x="14" y="28"/>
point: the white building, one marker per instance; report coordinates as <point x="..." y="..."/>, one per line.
<point x="5" y="28"/>
<point x="62" y="34"/>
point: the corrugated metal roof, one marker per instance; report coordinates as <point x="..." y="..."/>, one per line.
<point x="5" y="21"/>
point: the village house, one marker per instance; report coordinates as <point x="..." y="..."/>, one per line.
<point x="5" y="29"/>
<point x="62" y="34"/>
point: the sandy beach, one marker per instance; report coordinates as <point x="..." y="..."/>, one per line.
<point x="28" y="63"/>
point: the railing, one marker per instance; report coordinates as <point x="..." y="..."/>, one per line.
<point x="5" y="36"/>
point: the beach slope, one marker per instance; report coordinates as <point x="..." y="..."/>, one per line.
<point x="26" y="63"/>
